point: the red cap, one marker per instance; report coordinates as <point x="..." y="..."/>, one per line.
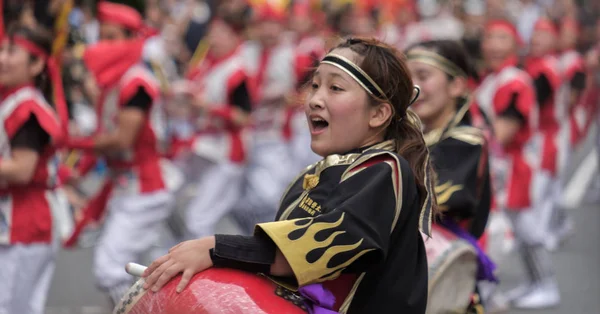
<point x="120" y="14"/>
<point x="267" y="12"/>
<point x="545" y="25"/>
<point x="504" y="26"/>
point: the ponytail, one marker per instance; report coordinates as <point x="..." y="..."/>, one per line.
<point x="411" y="145"/>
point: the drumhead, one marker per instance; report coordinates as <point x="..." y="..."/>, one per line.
<point x="452" y="279"/>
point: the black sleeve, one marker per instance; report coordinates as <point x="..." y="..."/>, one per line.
<point x="457" y="166"/>
<point x="141" y="100"/>
<point x="512" y="112"/>
<point x="578" y="81"/>
<point x="31" y="136"/>
<point x="249" y="253"/>
<point x="240" y="97"/>
<point x="543" y="89"/>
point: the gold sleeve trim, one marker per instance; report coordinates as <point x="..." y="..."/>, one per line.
<point x="467" y="134"/>
<point x="295" y="251"/>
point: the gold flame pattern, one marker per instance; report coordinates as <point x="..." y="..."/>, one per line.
<point x="296" y="246"/>
<point x="445" y="191"/>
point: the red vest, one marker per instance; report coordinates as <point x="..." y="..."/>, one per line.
<point x="549" y="119"/>
<point x="141" y="165"/>
<point x="521" y="155"/>
<point x="26" y="210"/>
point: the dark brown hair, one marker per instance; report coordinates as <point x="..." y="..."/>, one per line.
<point x="386" y="66"/>
<point x="41" y="38"/>
<point x="452" y="50"/>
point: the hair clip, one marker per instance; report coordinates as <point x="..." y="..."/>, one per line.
<point x="418" y="89"/>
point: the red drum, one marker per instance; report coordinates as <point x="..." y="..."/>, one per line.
<point x="452" y="272"/>
<point x="216" y="290"/>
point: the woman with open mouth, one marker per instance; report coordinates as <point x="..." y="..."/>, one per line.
<point x="352" y="223"/>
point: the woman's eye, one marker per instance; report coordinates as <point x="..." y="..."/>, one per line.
<point x="336" y="88"/>
<point x="314" y="86"/>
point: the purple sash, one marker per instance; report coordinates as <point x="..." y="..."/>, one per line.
<point x="486" y="267"/>
<point x="321" y="299"/>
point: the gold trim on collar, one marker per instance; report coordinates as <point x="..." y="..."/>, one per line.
<point x="435" y="136"/>
<point x="436" y="60"/>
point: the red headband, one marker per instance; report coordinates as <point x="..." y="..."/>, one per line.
<point x="545" y="25"/>
<point x="121" y="15"/>
<point x="54" y="75"/>
<point x="506" y="27"/>
<point x="267" y="12"/>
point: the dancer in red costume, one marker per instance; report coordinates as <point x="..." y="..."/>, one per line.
<point x="507" y="96"/>
<point x="130" y="136"/>
<point x="220" y="112"/>
<point x="544" y="68"/>
<point x="30" y="134"/>
<point x="275" y="67"/>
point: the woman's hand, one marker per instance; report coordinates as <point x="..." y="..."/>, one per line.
<point x="189" y="258"/>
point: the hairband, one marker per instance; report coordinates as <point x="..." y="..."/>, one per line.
<point x="356" y="73"/>
<point x="362" y="78"/>
<point x="54" y="74"/>
<point x="436" y="60"/>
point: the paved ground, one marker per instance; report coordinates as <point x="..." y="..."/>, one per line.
<point x="577" y="264"/>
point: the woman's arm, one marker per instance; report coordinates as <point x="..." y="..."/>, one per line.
<point x="129" y="122"/>
<point x="26" y="146"/>
<point x="353" y="230"/>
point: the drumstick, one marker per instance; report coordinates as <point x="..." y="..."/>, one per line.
<point x="135" y="269"/>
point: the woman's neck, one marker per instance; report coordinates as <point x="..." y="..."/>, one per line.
<point x="441" y="120"/>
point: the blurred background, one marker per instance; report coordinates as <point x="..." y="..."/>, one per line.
<point x="180" y="43"/>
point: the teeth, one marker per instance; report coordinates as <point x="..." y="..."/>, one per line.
<point x="317" y="120"/>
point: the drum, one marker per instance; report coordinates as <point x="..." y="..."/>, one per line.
<point x="452" y="272"/>
<point x="216" y="290"/>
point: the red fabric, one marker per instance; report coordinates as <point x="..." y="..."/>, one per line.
<point x="261" y="73"/>
<point x="86" y="163"/>
<point x="576" y="65"/>
<point x="64" y="173"/>
<point x="340" y="288"/>
<point x="45" y="117"/>
<point x="55" y="77"/>
<point x="108" y="61"/>
<point x="505" y="26"/>
<point x="31" y="220"/>
<point x="145" y="161"/>
<point x="131" y="87"/>
<point x="520" y="178"/>
<point x="119" y="14"/>
<point x="267" y="12"/>
<point x="31" y="215"/>
<point x="93" y="212"/>
<point x="545" y="25"/>
<point x="303" y="65"/>
<point x="84" y="143"/>
<point x="548" y="122"/>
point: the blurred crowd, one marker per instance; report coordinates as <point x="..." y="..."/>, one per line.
<point x="222" y="68"/>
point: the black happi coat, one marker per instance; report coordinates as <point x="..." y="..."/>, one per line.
<point x="352" y="222"/>
<point x="460" y="157"/>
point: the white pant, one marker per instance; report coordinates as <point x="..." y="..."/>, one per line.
<point x="25" y="275"/>
<point x="270" y="170"/>
<point x="132" y="227"/>
<point x="526" y="226"/>
<point x="218" y="190"/>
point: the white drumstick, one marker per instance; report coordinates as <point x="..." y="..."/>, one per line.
<point x="135" y="269"/>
